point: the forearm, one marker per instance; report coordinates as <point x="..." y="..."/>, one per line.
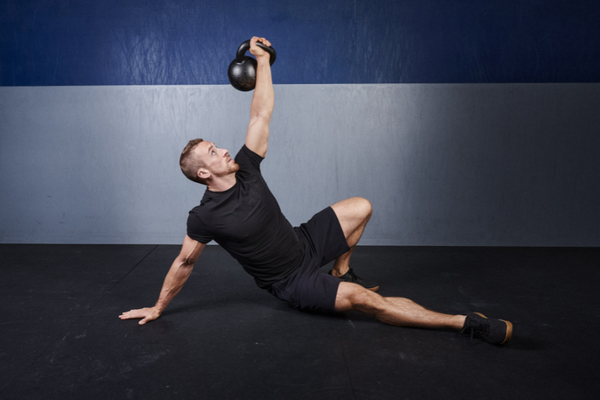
<point x="264" y="96"/>
<point x="180" y="271"/>
<point x="176" y="277"/>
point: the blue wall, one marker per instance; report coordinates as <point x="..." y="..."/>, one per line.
<point x="169" y="42"/>
<point x="465" y="123"/>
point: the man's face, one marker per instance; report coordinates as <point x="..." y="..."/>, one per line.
<point x="217" y="161"/>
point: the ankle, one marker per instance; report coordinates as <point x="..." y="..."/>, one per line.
<point x="458" y="321"/>
<point x="339" y="271"/>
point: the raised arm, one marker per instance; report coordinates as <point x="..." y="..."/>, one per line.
<point x="180" y="271"/>
<point x="257" y="137"/>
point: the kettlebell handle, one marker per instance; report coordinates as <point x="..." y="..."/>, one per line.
<point x="244" y="47"/>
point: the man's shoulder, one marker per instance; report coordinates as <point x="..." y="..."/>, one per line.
<point x="204" y="206"/>
<point x="197" y="227"/>
<point x="196" y="213"/>
<point x="247" y="157"/>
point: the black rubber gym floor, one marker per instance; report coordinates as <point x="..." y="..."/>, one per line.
<point x="223" y="338"/>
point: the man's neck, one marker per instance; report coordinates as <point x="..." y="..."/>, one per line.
<point x="222" y="184"/>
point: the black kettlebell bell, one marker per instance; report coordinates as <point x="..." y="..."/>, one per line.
<point x="242" y="70"/>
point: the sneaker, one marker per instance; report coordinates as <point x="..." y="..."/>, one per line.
<point x="350" y="276"/>
<point x="495" y="331"/>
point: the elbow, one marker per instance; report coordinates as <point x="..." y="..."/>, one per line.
<point x="187" y="266"/>
<point x="186" y="262"/>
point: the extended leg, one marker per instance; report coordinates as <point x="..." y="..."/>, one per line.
<point x="404" y="312"/>
<point x="396" y="311"/>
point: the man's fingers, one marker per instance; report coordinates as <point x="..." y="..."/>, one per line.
<point x="146" y="315"/>
<point x="131" y="314"/>
<point x="128" y="314"/>
<point x="259" y="39"/>
<point x="125" y="315"/>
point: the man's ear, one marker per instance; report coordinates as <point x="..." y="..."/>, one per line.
<point x="203" y="173"/>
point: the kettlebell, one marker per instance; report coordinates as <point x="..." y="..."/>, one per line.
<point x="242" y="70"/>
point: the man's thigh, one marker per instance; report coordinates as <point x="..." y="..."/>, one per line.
<point x="308" y="289"/>
<point x="352" y="213"/>
<point x="323" y="237"/>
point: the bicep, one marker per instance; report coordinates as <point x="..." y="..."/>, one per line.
<point x="190" y="250"/>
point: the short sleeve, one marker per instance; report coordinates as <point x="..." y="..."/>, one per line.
<point x="196" y="229"/>
<point x="247" y="159"/>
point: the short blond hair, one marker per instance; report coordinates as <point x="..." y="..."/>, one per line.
<point x="190" y="163"/>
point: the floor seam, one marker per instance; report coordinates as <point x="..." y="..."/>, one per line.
<point x="131" y="270"/>
<point x="109" y="290"/>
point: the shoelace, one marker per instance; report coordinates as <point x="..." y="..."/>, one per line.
<point x="351" y="274"/>
<point x="480" y="330"/>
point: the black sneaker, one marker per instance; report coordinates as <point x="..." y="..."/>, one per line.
<point x="350" y="276"/>
<point x="495" y="331"/>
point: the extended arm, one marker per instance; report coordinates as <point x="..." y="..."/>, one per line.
<point x="180" y="271"/>
<point x="263" y="100"/>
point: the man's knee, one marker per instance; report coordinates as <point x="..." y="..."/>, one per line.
<point x="364" y="206"/>
<point x="353" y="211"/>
<point x="351" y="296"/>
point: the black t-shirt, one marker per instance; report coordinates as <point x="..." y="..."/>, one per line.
<point x="247" y="222"/>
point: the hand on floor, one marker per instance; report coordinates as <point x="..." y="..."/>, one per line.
<point x="147" y="314"/>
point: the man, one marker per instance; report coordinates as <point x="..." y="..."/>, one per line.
<point x="239" y="212"/>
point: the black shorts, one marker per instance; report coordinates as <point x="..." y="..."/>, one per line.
<point x="307" y="288"/>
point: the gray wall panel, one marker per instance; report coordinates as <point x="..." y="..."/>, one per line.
<point x="464" y="164"/>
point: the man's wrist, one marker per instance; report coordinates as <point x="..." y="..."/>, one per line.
<point x="264" y="58"/>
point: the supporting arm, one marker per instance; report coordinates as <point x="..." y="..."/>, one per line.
<point x="180" y="271"/>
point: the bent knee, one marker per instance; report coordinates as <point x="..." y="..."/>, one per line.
<point x="364" y="205"/>
<point x="358" y="207"/>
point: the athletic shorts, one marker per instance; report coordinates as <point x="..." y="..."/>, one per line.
<point x="307" y="288"/>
